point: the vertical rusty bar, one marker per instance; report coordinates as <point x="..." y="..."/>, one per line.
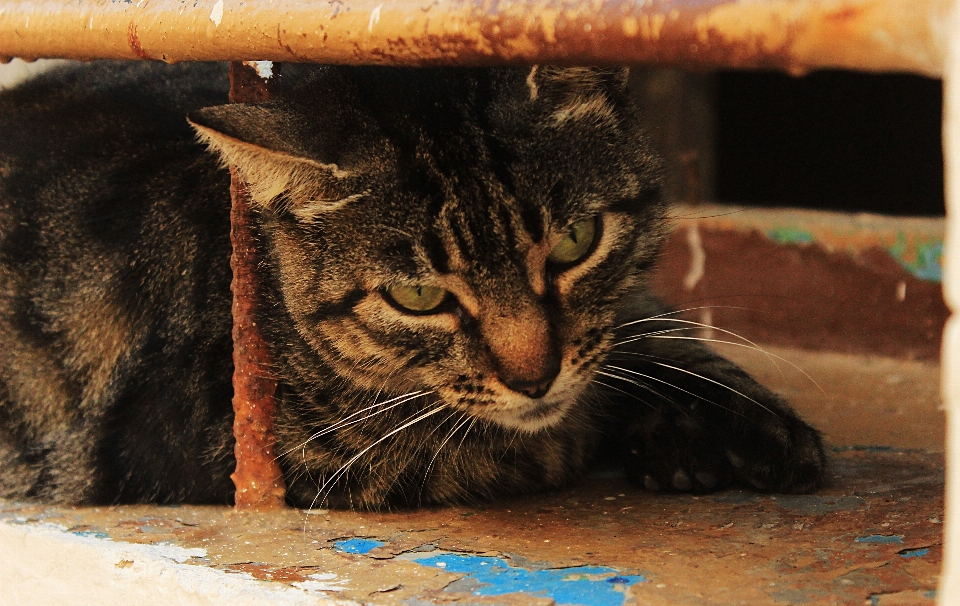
<point x="258" y="478"/>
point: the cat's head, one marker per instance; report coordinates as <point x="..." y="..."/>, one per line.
<point x="468" y="232"/>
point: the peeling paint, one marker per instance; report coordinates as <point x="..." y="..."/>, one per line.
<point x="489" y="575"/>
<point x="880" y="538"/>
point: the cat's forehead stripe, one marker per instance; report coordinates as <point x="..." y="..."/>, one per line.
<point x="436" y="253"/>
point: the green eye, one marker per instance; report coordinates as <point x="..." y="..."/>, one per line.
<point x="575" y="244"/>
<point x="418" y="298"/>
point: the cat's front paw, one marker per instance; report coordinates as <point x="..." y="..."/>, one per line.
<point x="687" y="452"/>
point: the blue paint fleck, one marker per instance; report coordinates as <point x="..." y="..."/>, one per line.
<point x="929" y="258"/>
<point x="357" y="545"/>
<point x="914" y="553"/>
<point x="790" y="235"/>
<point x="90" y="533"/>
<point x="490" y="576"/>
<point x="880" y="538"/>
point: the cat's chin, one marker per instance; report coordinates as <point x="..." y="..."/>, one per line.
<point x="525" y="414"/>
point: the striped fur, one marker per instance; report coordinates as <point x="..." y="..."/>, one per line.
<point x="367" y="179"/>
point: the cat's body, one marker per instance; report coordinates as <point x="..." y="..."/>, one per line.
<point x="449" y="258"/>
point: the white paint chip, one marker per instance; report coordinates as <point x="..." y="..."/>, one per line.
<point x="374" y="17"/>
<point x="264" y="69"/>
<point x="216" y="15"/>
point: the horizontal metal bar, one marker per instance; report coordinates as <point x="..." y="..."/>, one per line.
<point x="794" y="35"/>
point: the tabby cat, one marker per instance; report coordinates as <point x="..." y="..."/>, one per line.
<point x="454" y="263"/>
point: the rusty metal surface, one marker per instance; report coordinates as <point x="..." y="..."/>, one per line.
<point x="258" y="478"/>
<point x="872" y="537"/>
<point x="795" y="35"/>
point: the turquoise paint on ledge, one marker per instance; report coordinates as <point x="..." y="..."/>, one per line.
<point x="929" y="263"/>
<point x="360" y="546"/>
<point x="929" y="255"/>
<point x="880" y="538"/>
<point x="790" y="235"/>
<point x="490" y="576"/>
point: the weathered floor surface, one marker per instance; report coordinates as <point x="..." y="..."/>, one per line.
<point x="872" y="537"/>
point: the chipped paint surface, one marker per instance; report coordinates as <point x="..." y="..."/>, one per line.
<point x="603" y="542"/>
<point x="914" y="243"/>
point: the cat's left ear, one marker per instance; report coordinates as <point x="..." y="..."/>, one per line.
<point x="260" y="141"/>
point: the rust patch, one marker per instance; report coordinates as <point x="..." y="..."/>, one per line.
<point x="133" y="41"/>
<point x="263" y="572"/>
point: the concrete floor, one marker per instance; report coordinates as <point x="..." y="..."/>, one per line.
<point x="873" y="536"/>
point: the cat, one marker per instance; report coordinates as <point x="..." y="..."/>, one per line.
<point x="455" y="266"/>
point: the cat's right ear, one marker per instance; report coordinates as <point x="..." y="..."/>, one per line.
<point x="279" y="173"/>
<point x="572" y="94"/>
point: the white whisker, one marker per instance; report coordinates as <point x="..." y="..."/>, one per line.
<point x="628" y="380"/>
<point x="701" y="325"/>
<point x="668" y="384"/>
<point x="343" y="468"/>
<point x="751" y="347"/>
<point x="397" y="401"/>
<point x="709" y="380"/>
<point x="464" y="418"/>
<point x="664" y="315"/>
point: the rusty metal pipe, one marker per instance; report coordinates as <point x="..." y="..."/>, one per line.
<point x="794" y="35"/>
<point x="258" y="478"/>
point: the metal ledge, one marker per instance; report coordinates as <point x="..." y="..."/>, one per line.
<point x="794" y="35"/>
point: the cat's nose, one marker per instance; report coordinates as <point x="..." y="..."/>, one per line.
<point x="537" y="388"/>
